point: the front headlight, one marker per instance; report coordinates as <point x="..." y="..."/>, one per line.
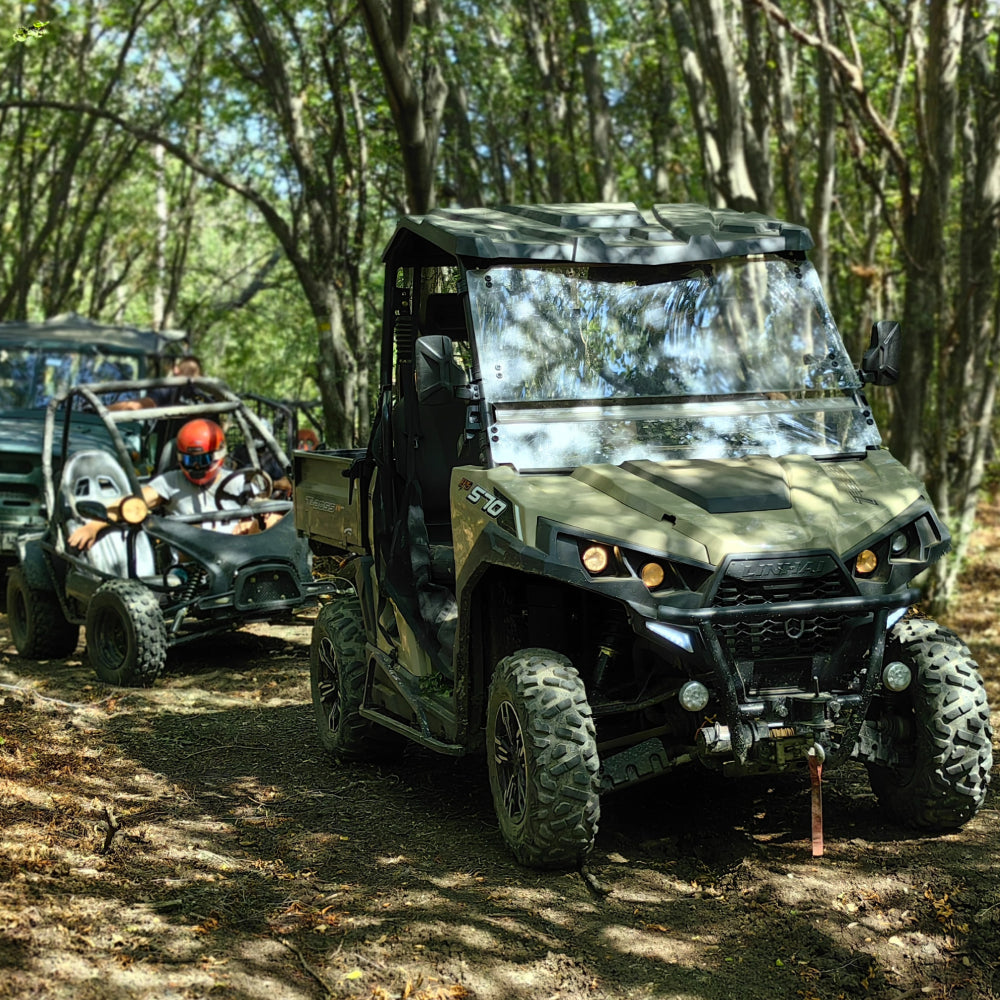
<point x="595" y="559"/>
<point x="133" y="510"/>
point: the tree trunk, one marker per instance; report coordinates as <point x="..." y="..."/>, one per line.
<point x="969" y="382"/>
<point x="708" y="60"/>
<point x="924" y="313"/>
<point x="757" y="129"/>
<point x="536" y="19"/>
<point x="598" y="116"/>
<point x="417" y="110"/>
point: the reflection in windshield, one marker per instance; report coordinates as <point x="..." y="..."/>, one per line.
<point x="30" y="377"/>
<point x="752" y="341"/>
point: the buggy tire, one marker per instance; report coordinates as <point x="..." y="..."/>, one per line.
<point x="337" y="680"/>
<point x="126" y="634"/>
<point x="37" y="623"/>
<point x="945" y="753"/>
<point x="541" y="747"/>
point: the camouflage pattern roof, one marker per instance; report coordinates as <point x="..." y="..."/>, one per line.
<point x="596" y="234"/>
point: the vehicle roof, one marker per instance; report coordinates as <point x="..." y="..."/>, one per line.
<point x="72" y="331"/>
<point x="589" y="234"/>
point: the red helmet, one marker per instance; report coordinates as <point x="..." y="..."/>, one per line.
<point x="201" y="449"/>
<point x="306" y="439"/>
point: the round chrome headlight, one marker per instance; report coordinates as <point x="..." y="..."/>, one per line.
<point x="896" y="676"/>
<point x="133" y="510"/>
<point x="693" y="696"/>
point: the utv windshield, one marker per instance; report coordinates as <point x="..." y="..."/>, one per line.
<point x="31" y="376"/>
<point x="718" y="360"/>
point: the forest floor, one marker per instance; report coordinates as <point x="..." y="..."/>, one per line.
<point x="191" y="840"/>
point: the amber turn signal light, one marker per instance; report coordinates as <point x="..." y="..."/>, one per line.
<point x="652" y="575"/>
<point x="866" y="562"/>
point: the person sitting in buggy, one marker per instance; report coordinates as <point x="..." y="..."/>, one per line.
<point x="192" y="488"/>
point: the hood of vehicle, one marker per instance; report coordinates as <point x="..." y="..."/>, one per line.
<point x="22" y="432"/>
<point x="705" y="510"/>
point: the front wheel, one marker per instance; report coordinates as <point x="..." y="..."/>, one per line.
<point x="939" y="728"/>
<point x="542" y="759"/>
<point x="337" y="680"/>
<point x="37" y="624"/>
<point x="126" y="635"/>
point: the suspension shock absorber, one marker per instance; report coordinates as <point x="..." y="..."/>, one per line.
<point x="610" y="648"/>
<point x="185" y="582"/>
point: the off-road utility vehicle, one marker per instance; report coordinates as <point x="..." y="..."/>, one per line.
<point x="152" y="581"/>
<point x="37" y="362"/>
<point x="625" y="509"/>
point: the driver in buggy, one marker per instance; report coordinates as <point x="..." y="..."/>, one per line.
<point x="192" y="488"/>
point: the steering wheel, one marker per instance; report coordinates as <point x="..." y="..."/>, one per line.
<point x="256" y="482"/>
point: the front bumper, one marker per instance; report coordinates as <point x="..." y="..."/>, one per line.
<point x="803" y="670"/>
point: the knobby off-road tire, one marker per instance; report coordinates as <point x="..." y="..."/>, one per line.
<point x="542" y="758"/>
<point x="37" y="625"/>
<point x="337" y="679"/>
<point x="940" y="782"/>
<point x="126" y="635"/>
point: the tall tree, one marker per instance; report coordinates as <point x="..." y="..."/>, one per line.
<point x="708" y="62"/>
<point x="416" y="86"/>
<point x="970" y="352"/>
<point x="602" y="167"/>
<point x="62" y="169"/>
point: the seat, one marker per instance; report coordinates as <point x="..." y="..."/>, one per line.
<point x="438" y="434"/>
<point x="97" y="475"/>
<point x="444" y="313"/>
<point x="93" y="475"/>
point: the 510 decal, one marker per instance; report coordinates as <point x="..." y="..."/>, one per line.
<point x="489" y="504"/>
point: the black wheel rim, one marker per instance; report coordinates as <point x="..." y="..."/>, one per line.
<point x="111" y="640"/>
<point x="905" y="742"/>
<point x="327" y="687"/>
<point x="510" y="761"/>
<point x="19" y="616"/>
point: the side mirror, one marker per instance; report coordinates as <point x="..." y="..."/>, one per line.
<point x="880" y="363"/>
<point x="440" y="378"/>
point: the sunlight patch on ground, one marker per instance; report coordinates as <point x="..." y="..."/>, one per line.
<point x="648" y="943"/>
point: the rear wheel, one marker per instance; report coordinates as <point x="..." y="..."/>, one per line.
<point x="337" y="679"/>
<point x="542" y="759"/>
<point x="37" y="624"/>
<point x="939" y="728"/>
<point x="126" y="635"/>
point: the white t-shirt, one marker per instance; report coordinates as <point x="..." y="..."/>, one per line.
<point x="181" y="496"/>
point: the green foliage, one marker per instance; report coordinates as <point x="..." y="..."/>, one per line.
<point x="270" y="227"/>
<point x="31" y="33"/>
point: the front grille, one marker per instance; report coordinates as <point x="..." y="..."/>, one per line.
<point x="762" y="637"/>
<point x="266" y="588"/>
<point x="764" y="586"/>
<point x="10" y="499"/>
<point x="781" y="580"/>
<point x="733" y="592"/>
<point x="16" y="465"/>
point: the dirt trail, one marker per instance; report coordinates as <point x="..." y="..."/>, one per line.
<point x="191" y="840"/>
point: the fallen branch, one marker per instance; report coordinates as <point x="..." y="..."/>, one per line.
<point x="58" y="701"/>
<point x="109" y="826"/>
<point x="305" y="965"/>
